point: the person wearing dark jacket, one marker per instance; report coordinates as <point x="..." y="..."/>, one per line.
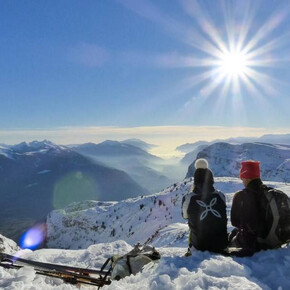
<point x="244" y="213"/>
<point x="205" y="209"/>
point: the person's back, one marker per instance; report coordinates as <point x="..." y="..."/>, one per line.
<point x="260" y="214"/>
<point x="205" y="209"/>
<point x="207" y="221"/>
<point x="246" y="218"/>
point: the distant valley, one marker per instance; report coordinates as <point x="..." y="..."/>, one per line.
<point x="142" y="166"/>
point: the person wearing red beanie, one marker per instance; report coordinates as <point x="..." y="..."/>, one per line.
<point x="245" y="213"/>
<point x="250" y="170"/>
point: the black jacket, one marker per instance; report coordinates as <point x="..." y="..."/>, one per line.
<point x="245" y="215"/>
<point x="207" y="219"/>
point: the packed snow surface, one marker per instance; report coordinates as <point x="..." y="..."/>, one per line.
<point x="203" y="270"/>
<point x="156" y="219"/>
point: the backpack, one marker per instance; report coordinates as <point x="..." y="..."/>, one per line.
<point x="274" y="208"/>
<point x="133" y="262"/>
<point x="207" y="221"/>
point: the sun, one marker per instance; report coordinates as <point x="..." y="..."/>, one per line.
<point x="233" y="64"/>
<point x="231" y="58"/>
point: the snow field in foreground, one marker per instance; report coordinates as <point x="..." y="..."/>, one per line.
<point x="157" y="216"/>
<point x="203" y="270"/>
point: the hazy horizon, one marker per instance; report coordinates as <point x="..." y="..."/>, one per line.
<point x="167" y="138"/>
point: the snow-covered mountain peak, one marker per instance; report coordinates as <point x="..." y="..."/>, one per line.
<point x="36" y="146"/>
<point x="5" y="151"/>
<point x="139" y="143"/>
<point x="225" y="159"/>
<point x="110" y="143"/>
<point x="3" y="146"/>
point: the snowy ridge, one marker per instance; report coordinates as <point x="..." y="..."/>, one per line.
<point x="224" y="159"/>
<point x="268" y="138"/>
<point x="133" y="220"/>
<point x="36" y="146"/>
<point x="155" y="217"/>
<point x="5" y="151"/>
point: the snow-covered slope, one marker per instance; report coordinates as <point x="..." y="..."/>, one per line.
<point x="7" y="246"/>
<point x="155" y="217"/>
<point x="189" y="157"/>
<point x="89" y="225"/>
<point x="133" y="220"/>
<point x="225" y="159"/>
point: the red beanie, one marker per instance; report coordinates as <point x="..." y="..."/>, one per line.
<point x="250" y="169"/>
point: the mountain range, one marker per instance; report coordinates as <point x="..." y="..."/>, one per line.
<point x="139" y="143"/>
<point x="142" y="166"/>
<point x="268" y="138"/>
<point x="225" y="159"/>
<point x="37" y="177"/>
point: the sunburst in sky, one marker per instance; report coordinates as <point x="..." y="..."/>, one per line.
<point x="236" y="48"/>
<point x="145" y="63"/>
<point x="238" y="57"/>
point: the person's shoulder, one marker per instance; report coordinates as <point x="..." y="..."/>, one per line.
<point x="218" y="191"/>
<point x="189" y="195"/>
<point x="240" y="194"/>
<point x="220" y="194"/>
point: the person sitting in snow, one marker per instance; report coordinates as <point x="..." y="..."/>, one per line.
<point x="246" y="214"/>
<point x="205" y="209"/>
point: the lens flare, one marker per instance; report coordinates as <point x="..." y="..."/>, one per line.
<point x="34" y="237"/>
<point x="74" y="187"/>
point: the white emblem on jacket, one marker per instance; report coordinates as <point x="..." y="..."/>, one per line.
<point x="208" y="208"/>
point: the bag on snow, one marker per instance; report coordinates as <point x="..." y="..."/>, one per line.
<point x="133" y="262"/>
<point x="274" y="207"/>
<point x="207" y="221"/>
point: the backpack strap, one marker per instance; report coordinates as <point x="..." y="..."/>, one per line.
<point x="221" y="195"/>
<point x="128" y="264"/>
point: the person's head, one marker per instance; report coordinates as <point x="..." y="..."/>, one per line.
<point x="202" y="175"/>
<point x="250" y="170"/>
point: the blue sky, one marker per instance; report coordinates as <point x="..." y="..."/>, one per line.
<point x="126" y="63"/>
